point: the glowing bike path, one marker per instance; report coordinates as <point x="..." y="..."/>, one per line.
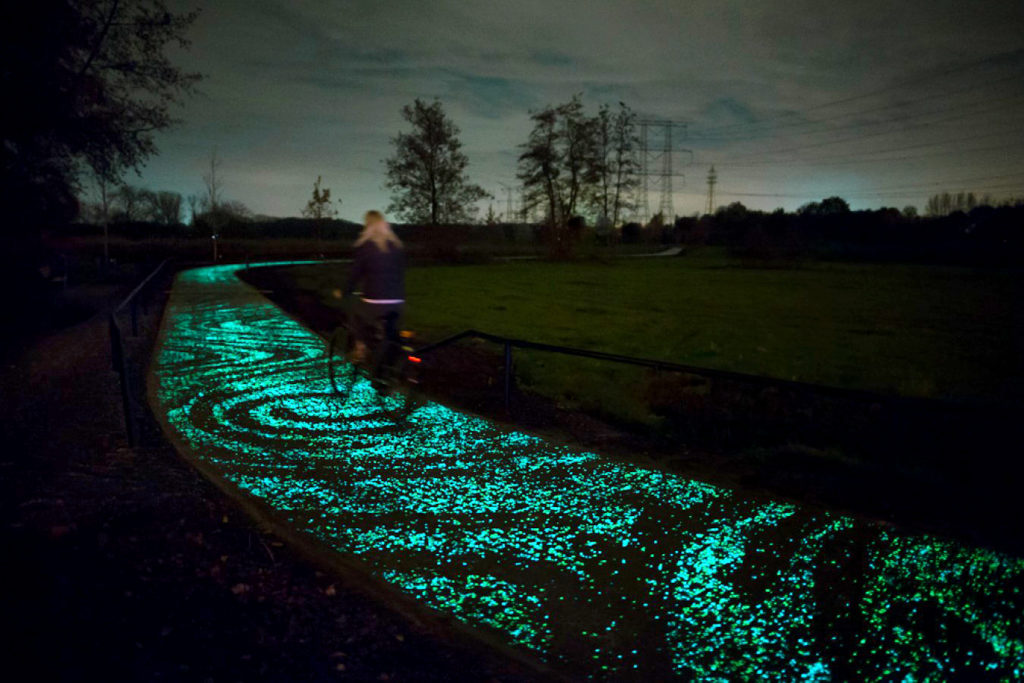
<point x="603" y="568"/>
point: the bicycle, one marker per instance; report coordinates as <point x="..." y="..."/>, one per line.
<point x="390" y="368"/>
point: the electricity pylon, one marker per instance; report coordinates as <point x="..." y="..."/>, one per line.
<point x="657" y="151"/>
<point x="712" y="181"/>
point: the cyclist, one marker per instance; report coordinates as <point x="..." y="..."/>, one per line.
<point x="378" y="270"/>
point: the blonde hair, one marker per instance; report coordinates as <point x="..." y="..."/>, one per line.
<point x="378" y="231"/>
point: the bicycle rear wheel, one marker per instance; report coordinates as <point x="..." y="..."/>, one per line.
<point x="340" y="371"/>
<point x="397" y="383"/>
<point x="408" y="388"/>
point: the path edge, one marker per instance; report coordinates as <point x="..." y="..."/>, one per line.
<point x="354" y="572"/>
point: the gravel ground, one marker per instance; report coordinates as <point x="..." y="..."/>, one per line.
<point x="125" y="564"/>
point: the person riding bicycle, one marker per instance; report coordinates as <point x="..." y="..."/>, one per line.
<point x="378" y="270"/>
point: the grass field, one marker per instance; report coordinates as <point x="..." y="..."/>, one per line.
<point x="914" y="330"/>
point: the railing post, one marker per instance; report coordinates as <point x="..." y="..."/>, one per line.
<point x="115" y="345"/>
<point x="508" y="377"/>
<point x="132" y="420"/>
<point x="121" y="367"/>
<point x="129" y="421"/>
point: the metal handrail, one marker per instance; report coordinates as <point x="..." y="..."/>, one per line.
<point x="117" y="354"/>
<point x="133" y="298"/>
<point x="839" y="392"/>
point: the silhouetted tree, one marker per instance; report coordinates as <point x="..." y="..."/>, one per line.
<point x="212" y="217"/>
<point x="193" y="208"/>
<point x="212" y="183"/>
<point x="130" y="204"/>
<point x="558" y="164"/>
<point x="319" y="206"/>
<point x="103" y="213"/>
<point x="631" y="233"/>
<point x="235" y="211"/>
<point x="230" y="216"/>
<point x="320" y="209"/>
<point x="735" y="212"/>
<point x="215" y="212"/>
<point x="87" y="85"/>
<point x="427" y="174"/>
<point x="615" y="164"/>
<point x="834" y="205"/>
<point x="830" y="206"/>
<point x="945" y="203"/>
<point x="654" y="227"/>
<point x="165" y="207"/>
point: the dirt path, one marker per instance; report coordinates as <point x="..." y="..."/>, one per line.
<point x="128" y="565"/>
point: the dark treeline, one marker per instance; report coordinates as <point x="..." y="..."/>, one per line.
<point x="828" y="229"/>
<point x="88" y="87"/>
<point x="232" y="227"/>
<point x="332" y="230"/>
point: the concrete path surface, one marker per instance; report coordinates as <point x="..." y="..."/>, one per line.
<point x="598" y="567"/>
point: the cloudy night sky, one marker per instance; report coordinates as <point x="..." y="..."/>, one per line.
<point x="882" y="103"/>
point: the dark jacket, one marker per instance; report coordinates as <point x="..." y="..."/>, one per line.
<point x="378" y="274"/>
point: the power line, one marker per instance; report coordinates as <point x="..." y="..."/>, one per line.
<point x="965" y="66"/>
<point x="957" y="113"/>
<point x="875" y="192"/>
<point x="863" y="194"/>
<point x="844" y="160"/>
<point x="951" y="182"/>
<point x="985" y="187"/>
<point x="990" y="184"/>
<point x="769" y="126"/>
<point x="856" y="138"/>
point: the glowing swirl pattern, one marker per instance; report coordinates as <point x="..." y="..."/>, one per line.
<point x="606" y="568"/>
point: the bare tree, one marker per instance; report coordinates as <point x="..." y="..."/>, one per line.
<point x="103" y="185"/>
<point x="212" y="181"/>
<point x="945" y="203"/>
<point x="625" y="168"/>
<point x="193" y="208"/>
<point x="539" y="164"/>
<point x="212" y="215"/>
<point x="93" y="84"/>
<point x="233" y="210"/>
<point x="130" y="203"/>
<point x="165" y="207"/>
<point x="427" y="174"/>
<point x="320" y="209"/>
<point x="599" y="195"/>
<point x="147" y="206"/>
<point x="616" y="168"/>
<point x="558" y="164"/>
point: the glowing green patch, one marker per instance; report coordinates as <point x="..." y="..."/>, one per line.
<point x="607" y="567"/>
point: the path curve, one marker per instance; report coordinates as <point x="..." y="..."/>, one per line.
<point x="597" y="566"/>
